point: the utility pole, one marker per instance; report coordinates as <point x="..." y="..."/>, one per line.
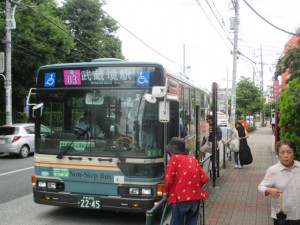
<point x="262" y="113"/>
<point x="234" y="68"/>
<point x="8" y="96"/>
<point x="226" y="102"/>
<point x="183" y="67"/>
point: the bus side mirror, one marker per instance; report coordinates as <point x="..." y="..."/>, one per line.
<point x="37" y="108"/>
<point x="164" y="111"/>
<point x="159" y="91"/>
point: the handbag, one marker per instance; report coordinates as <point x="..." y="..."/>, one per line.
<point x="234" y="145"/>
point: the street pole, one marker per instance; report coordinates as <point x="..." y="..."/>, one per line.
<point x="183" y="69"/>
<point x="234" y="68"/>
<point x="262" y="114"/>
<point x="8" y="96"/>
<point x="226" y="102"/>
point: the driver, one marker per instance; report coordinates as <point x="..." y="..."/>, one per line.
<point x="92" y="129"/>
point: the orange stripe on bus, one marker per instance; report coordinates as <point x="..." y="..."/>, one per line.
<point x="79" y="165"/>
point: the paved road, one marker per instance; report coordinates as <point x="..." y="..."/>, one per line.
<point x="15" y="177"/>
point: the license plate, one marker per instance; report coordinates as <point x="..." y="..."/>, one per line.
<point x="88" y="202"/>
<point x="2" y="141"/>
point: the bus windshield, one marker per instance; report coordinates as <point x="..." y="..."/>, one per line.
<point x="94" y="122"/>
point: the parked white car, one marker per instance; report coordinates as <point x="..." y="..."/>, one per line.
<point x="19" y="138"/>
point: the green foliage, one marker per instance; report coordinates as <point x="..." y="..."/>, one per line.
<point x="89" y="24"/>
<point x="289" y="116"/>
<point x="44" y="35"/>
<point x="251" y="129"/>
<point x="35" y="42"/>
<point x="22" y="117"/>
<point x="291" y="61"/>
<point x="249" y="98"/>
<point x="270" y="106"/>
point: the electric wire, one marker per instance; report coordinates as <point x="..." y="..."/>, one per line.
<point x="32" y="53"/>
<point x="25" y="7"/>
<point x="65" y="31"/>
<point x="139" y="39"/>
<point x="201" y="7"/>
<point x="135" y="36"/>
<point x="221" y="24"/>
<point x="239" y="51"/>
<point x="267" y="20"/>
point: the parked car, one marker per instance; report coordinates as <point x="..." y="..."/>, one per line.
<point x="222" y="119"/>
<point x="19" y="138"/>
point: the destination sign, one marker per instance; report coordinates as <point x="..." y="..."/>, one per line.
<point x="100" y="76"/>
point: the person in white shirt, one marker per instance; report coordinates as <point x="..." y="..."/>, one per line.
<point x="284" y="178"/>
<point x="273" y="123"/>
<point x="92" y="129"/>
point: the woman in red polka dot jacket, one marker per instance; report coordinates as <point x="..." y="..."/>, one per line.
<point x="184" y="179"/>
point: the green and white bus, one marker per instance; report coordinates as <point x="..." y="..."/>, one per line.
<point x="137" y="106"/>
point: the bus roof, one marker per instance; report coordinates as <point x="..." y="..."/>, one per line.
<point x="102" y="62"/>
<point x="120" y="62"/>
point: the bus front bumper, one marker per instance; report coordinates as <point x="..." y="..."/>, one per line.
<point x="111" y="203"/>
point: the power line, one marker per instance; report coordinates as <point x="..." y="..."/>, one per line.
<point x="220" y="23"/>
<point x="224" y="30"/>
<point x="55" y="24"/>
<point x="267" y="20"/>
<point x="201" y="7"/>
<point x="20" y="46"/>
<point x="139" y="39"/>
<point x="142" y="40"/>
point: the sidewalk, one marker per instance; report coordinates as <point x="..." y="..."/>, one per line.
<point x="235" y="200"/>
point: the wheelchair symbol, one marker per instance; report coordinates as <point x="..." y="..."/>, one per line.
<point x="50" y="80"/>
<point x="142" y="80"/>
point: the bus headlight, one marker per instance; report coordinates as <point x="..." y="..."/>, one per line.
<point x="51" y="185"/>
<point x="146" y="191"/>
<point x="41" y="184"/>
<point x="134" y="191"/>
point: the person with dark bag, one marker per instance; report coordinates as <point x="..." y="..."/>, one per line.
<point x="244" y="153"/>
<point x="184" y="179"/>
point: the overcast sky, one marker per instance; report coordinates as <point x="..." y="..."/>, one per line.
<point x="157" y="30"/>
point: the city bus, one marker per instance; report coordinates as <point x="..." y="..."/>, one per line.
<point x="137" y="108"/>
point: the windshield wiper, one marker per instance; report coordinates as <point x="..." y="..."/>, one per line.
<point x="67" y="147"/>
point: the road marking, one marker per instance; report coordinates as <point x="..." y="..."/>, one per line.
<point x="16" y="171"/>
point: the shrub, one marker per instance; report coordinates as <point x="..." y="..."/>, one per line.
<point x="289" y="116"/>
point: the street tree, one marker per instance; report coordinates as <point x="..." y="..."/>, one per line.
<point x="271" y="106"/>
<point x="94" y="31"/>
<point x="249" y="98"/>
<point x="289" y="116"/>
<point x="37" y="40"/>
<point x="46" y="34"/>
